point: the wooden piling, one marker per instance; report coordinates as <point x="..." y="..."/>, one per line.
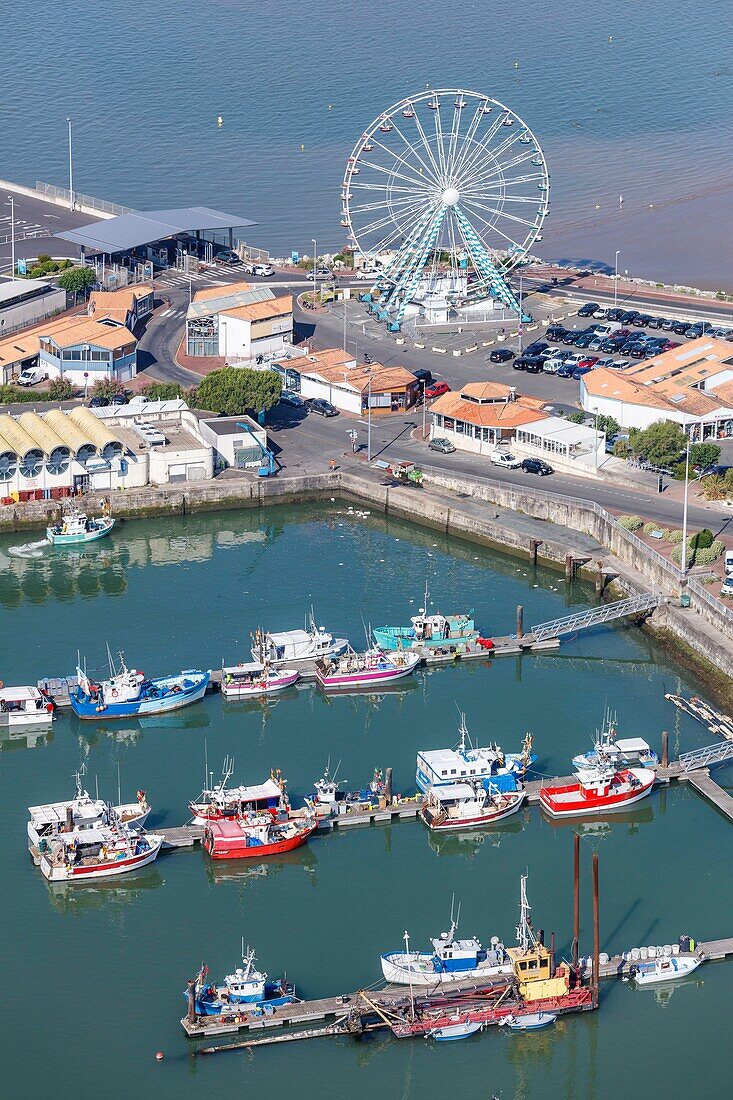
<point x="520" y="621"/>
<point x="568" y="567"/>
<point x="600" y="579"/>
<point x="665" y="748"/>
<point x="388" y="785"/>
<point x="552" y="955"/>
<point x="576" y="899"/>
<point x="596" y="931"/>
<point x="191" y="1015"/>
<point x="534" y="545"/>
<point x="69" y="819"/>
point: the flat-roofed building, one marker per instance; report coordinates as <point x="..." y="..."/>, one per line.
<point x="24" y="302"/>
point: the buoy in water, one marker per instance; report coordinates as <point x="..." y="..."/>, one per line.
<point x="516" y="64"/>
<point x="219" y="120"/>
<point x="302" y="148"/>
<point x="159" y="1056"/>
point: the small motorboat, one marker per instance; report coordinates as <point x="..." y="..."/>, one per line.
<point x="128" y="692"/>
<point x="246" y="681"/>
<point x="601" y="789"/>
<point x="255" y="836"/>
<point x="83" y="812"/>
<point x="364" y="670"/>
<point x="450" y="960"/>
<point x="296" y="645"/>
<point x="76" y="527"/>
<point x="530" y="1021"/>
<point x="100" y="852"/>
<point x="667" y="968"/>
<point x="461" y="1029"/>
<point x="24" y="708"/>
<point x="246" y="989"/>
<point x="472" y="804"/>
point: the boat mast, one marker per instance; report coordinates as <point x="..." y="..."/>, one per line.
<point x="406" y="938"/>
<point x="525" y="933"/>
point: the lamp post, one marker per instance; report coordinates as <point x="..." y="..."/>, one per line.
<point x="424" y="408"/>
<point x="369" y="418"/>
<point x="615" y="279"/>
<point x="11" y="201"/>
<point x="71" y="170"/>
<point x="521" y="314"/>
<point x="315" y="256"/>
<point x="684" y="508"/>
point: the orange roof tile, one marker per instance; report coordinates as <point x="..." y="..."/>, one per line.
<point x="91" y="332"/>
<point x="383" y="379"/>
<point x="260" y="311"/>
<point x="122" y="300"/>
<point x="496" y="414"/>
<point x="221" y="291"/>
<point x="617" y="386"/>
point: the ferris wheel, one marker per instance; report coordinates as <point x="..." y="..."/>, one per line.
<point x="452" y="187"/>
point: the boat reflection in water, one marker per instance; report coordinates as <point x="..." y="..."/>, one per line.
<point x="18" y="738"/>
<point x="243" y="871"/>
<point x="102" y="893"/>
<point x="131" y="730"/>
<point x="605" y="823"/>
<point x="471" y="841"/>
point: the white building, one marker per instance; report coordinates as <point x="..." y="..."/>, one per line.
<point x="239" y="322"/>
<point x="237" y="441"/>
<point x="25" y="302"/>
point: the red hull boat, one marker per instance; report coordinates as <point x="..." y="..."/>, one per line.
<point x="598" y="790"/>
<point x="255" y="837"/>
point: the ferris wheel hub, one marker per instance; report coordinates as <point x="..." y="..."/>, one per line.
<point x="450" y="196"/>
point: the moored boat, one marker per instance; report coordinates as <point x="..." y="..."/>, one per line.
<point x="255" y="837"/>
<point x="666" y="968"/>
<point x="472" y="804"/>
<point x="218" y="802"/>
<point x="459" y="1028"/>
<point x="83" y="812"/>
<point x="246" y="989"/>
<point x="295" y="645"/>
<point x="364" y="670"/>
<point x="598" y="790"/>
<point x="530" y="1021"/>
<point x="328" y="799"/>
<point x="128" y="692"/>
<point x="428" y="631"/>
<point x="76" y="527"/>
<point x="466" y="761"/>
<point x="609" y="749"/>
<point x="24" y="707"/>
<point x="247" y="680"/>
<point x="98" y="852"/>
<point x="451" y="960"/>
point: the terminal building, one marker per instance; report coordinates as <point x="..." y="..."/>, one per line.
<point x="239" y="322"/>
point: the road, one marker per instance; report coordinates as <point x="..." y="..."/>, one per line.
<point x="35" y="221"/>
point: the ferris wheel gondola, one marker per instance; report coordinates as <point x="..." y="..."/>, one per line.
<point x="448" y="192"/>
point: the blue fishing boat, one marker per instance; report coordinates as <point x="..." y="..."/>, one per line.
<point x="129" y="692"/>
<point x="427" y="630"/>
<point x="77" y="527"/>
<point x="467" y="762"/>
<point x="247" y="989"/>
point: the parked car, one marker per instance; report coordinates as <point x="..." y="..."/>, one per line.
<point x="322" y="407"/>
<point x="263" y="270"/>
<point x="436" y="389"/>
<point x="553" y="365"/>
<point x="99" y="403"/>
<point x="656" y="322"/>
<point x="580" y="371"/>
<point x="536" y="466"/>
<point x="668" y="324"/>
<point x="444" y="446"/>
<point x="614" y="314"/>
<point x="505" y="459"/>
<point x="588" y="361"/>
<point x="520" y="363"/>
<point x="227" y="256"/>
<point x="566" y="370"/>
<point x="588" y="309"/>
<point x="728" y="563"/>
<point x="501" y="355"/>
<point x="119" y="399"/>
<point x="294" y="400"/>
<point x="536" y="347"/>
<point x="570" y="337"/>
<point x="600" y="314"/>
<point x="608" y="363"/>
<point x="627" y="317"/>
<point x="681" y="327"/>
<point x="556" y="332"/>
<point x="700" y="328"/>
<point x="584" y="340"/>
<point x="31" y="376"/>
<point x="727" y="588"/>
<point x="642" y="320"/>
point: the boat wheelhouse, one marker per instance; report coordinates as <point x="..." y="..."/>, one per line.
<point x="466" y="762"/>
<point x="24" y="707"/>
<point x="76" y="527"/>
<point x="296" y="645"/>
<point x="247" y="680"/>
<point x="219" y="801"/>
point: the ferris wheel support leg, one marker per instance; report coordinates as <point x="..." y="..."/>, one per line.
<point x="494" y="280"/>
<point x="407" y="285"/>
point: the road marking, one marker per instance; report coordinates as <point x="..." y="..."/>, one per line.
<point x="167" y="313"/>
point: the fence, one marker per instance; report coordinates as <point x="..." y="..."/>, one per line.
<point x="81" y="200"/>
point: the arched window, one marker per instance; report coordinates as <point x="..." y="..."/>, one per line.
<point x="32" y="464"/>
<point x="8" y="465"/>
<point x="59" y="459"/>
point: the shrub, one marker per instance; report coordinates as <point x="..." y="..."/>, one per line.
<point x="60" y="390"/>
<point x="674" y="536"/>
<point x="630" y="523"/>
<point x="702" y="540"/>
<point x="43" y="258"/>
<point x="9" y="394"/>
<point x="622" y="448"/>
<point x="107" y="387"/>
<point x="163" y="391"/>
<point x="649" y="527"/>
<point x="701" y="556"/>
<point x="678" y="471"/>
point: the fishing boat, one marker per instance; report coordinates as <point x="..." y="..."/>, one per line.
<point x="472" y="804"/>
<point x="598" y="790"/>
<point x="247" y="988"/>
<point x="219" y="801"/>
<point x="247" y="680"/>
<point x="24" y="707"/>
<point x="76" y="527"/>
<point x="428" y="631"/>
<point x="364" y="670"/>
<point x="327" y="798"/>
<point x="98" y="852"/>
<point x="460" y="1028"/>
<point x="438" y="767"/>
<point x="451" y="960"/>
<point x="296" y="645"/>
<point x="628" y="752"/>
<point x="83" y="812"/>
<point x="255" y="836"/>
<point x="531" y="1021"/>
<point x="129" y="692"/>
<point x="665" y="969"/>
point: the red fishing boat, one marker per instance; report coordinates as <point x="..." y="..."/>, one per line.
<point x="255" y="837"/>
<point x="598" y="790"/>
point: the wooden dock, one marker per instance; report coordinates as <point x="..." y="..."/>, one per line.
<point x="705" y="785"/>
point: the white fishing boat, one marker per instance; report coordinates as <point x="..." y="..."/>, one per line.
<point x="218" y="801"/>
<point x="607" y="748"/>
<point x="451" y="960"/>
<point x="100" y="852"/>
<point x="76" y="527"/>
<point x="472" y="804"/>
<point x="246" y="681"/>
<point x="296" y="645"/>
<point x="82" y="812"/>
<point x="24" y="708"/>
<point x="666" y="968"/>
<point x="466" y="761"/>
<point x="460" y="1029"/>
<point x="529" y="1021"/>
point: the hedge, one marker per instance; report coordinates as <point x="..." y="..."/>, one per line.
<point x="631" y="523"/>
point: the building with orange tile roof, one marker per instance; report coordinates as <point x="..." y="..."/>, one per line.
<point x="691" y="385"/>
<point x="72" y="347"/>
<point x="241" y="322"/>
<point x="127" y="306"/>
<point x="482" y="414"/>
<point x="335" y="376"/>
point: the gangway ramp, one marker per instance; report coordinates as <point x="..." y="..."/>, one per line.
<point x="706" y="757"/>
<point x="595" y="616"/>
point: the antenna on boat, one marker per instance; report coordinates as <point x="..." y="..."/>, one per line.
<point x="206" y="762"/>
<point x="463" y="729"/>
<point x="96" y="786"/>
<point x="119" y="794"/>
<point x="109" y="658"/>
<point x="525" y="933"/>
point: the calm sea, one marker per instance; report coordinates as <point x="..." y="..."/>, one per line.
<point x="94" y="976"/>
<point x="626" y="101"/>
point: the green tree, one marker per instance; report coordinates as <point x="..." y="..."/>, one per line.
<point x="77" y="280"/>
<point x="576" y="418"/>
<point x="703" y="455"/>
<point x="661" y="443"/>
<point x="60" y="390"/>
<point x="607" y="424"/>
<point x="234" y="390"/>
<point x="163" y="391"/>
<point x="107" y="387"/>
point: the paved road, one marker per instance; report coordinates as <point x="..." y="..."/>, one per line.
<point x="32" y="216"/>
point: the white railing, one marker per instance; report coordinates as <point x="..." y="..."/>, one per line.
<point x="83" y="200"/>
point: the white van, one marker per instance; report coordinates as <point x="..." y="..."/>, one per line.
<point x="607" y="329"/>
<point x="728" y="563"/>
<point x="31" y="376"/>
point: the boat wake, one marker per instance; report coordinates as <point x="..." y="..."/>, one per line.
<point x="29" y="549"/>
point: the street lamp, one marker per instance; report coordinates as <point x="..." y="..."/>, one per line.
<point x="615" y="279"/>
<point x="315" y="254"/>
<point x="684" y="509"/>
<point x="71" y="170"/>
<point x="369" y="418"/>
<point x="11" y="201"/>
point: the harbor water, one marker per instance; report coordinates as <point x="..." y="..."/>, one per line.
<point x="623" y="106"/>
<point x="95" y="974"/>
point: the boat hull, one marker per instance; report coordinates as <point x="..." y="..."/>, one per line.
<point x="579" y="806"/>
<point x="236" y="848"/>
<point x="89" y="709"/>
<point x="665" y="970"/>
<point x="86" y="536"/>
<point x="78" y="874"/>
<point x="392" y="638"/>
<point x="451" y="1032"/>
<point x="450" y="824"/>
<point x="533" y="1021"/>
<point x="366" y="678"/>
<point x="262" y="687"/>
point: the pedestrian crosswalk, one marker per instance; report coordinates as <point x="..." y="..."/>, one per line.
<point x="173" y="313"/>
<point x="173" y="278"/>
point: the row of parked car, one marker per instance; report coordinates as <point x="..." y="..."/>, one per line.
<point x="634" y="317"/>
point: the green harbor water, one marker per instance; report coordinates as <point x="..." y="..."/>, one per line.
<point x="94" y="975"/>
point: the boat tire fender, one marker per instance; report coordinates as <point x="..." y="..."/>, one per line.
<point x="115" y="693"/>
